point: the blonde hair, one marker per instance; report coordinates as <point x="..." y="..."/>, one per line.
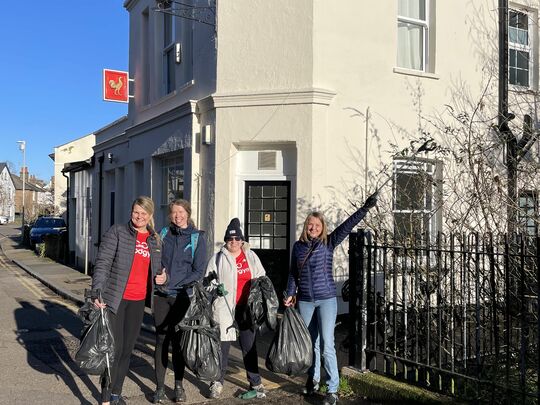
<point x="324" y="234"/>
<point x="185" y="204"/>
<point x="146" y="204"/>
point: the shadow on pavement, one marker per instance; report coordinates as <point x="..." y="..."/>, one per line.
<point x="47" y="350"/>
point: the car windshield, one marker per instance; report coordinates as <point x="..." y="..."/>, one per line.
<point x="50" y="223"/>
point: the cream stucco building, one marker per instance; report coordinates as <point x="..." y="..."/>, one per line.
<point x="279" y="107"/>
<point x="77" y="150"/>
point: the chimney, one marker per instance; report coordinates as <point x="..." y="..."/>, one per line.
<point x="24" y="170"/>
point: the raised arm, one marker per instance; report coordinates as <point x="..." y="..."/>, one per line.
<point x="341" y="232"/>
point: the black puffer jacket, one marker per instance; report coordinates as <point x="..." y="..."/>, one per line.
<point x="114" y="260"/>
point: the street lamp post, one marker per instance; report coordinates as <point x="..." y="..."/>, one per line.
<point x="22" y="147"/>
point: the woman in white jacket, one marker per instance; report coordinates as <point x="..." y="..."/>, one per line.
<point x="235" y="266"/>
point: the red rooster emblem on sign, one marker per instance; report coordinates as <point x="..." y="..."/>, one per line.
<point x="116" y="85"/>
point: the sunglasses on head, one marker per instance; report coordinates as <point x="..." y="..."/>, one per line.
<point x="236" y="238"/>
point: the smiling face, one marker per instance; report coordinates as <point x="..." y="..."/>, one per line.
<point x="179" y="216"/>
<point x="140" y="218"/>
<point x="234" y="245"/>
<point x="314" y="227"/>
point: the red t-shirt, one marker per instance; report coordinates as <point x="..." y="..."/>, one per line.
<point x="244" y="278"/>
<point x="137" y="281"/>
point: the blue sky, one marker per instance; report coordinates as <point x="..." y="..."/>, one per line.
<point x="52" y="56"/>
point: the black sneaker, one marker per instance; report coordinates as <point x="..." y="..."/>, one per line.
<point x="312" y="386"/>
<point x="330" y="399"/>
<point x="159" y="396"/>
<point x="179" y="392"/>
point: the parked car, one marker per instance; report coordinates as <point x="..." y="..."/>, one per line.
<point x="3" y="220"/>
<point x="46" y="226"/>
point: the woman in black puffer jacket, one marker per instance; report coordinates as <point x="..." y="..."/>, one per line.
<point x="127" y="256"/>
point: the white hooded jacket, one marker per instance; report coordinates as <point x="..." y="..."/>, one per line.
<point x="228" y="275"/>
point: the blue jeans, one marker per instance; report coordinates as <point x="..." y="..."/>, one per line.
<point x="321" y="328"/>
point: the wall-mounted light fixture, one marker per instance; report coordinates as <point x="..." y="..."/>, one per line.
<point x="178" y="52"/>
<point x="206" y="137"/>
<point x="110" y="156"/>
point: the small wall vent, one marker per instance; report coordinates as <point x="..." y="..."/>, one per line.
<point x="267" y="160"/>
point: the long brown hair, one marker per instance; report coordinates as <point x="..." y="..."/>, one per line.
<point x="146" y="204"/>
<point x="324" y="234"/>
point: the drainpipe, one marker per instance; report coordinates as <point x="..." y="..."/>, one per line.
<point x="67" y="217"/>
<point x="100" y="201"/>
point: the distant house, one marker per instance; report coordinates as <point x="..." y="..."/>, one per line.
<point x="34" y="196"/>
<point x="77" y="150"/>
<point x="7" y="193"/>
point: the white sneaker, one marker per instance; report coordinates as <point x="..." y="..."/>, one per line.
<point x="261" y="392"/>
<point x="215" y="389"/>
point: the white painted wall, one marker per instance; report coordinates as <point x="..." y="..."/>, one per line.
<point x="74" y="151"/>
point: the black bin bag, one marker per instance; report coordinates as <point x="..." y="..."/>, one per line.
<point x="96" y="350"/>
<point x="201" y="349"/>
<point x="200" y="340"/>
<point x="291" y="351"/>
<point x="263" y="304"/>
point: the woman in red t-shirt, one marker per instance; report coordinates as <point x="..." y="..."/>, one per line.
<point x="128" y="255"/>
<point x="236" y="265"/>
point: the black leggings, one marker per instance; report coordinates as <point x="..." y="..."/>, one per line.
<point x="248" y="344"/>
<point x="125" y="325"/>
<point x="168" y="312"/>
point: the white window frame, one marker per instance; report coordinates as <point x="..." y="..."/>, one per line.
<point x="428" y="212"/>
<point x="424" y="24"/>
<point x="521" y="47"/>
<point x="173" y="161"/>
<point x="528" y="212"/>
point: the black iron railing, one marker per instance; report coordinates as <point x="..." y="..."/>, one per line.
<point x="460" y="315"/>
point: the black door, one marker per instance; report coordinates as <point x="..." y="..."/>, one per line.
<point x="268" y="227"/>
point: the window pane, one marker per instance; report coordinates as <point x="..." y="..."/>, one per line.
<point x="172" y="174"/>
<point x="170" y="64"/>
<point x="518" y="20"/>
<point x="167" y="29"/>
<point x="266" y="243"/>
<point x="412" y="9"/>
<point x="254" y="230"/>
<point x="409" y="191"/>
<point x="281" y="205"/>
<point x="512" y="79"/>
<point x="410" y="52"/>
<point x="268" y="204"/>
<point x="523" y="60"/>
<point x="255" y="243"/>
<point x="268" y="191"/>
<point x="255" y="216"/>
<point x="280" y="243"/>
<point x="280" y="230"/>
<point x="281" y="191"/>
<point x="280" y="217"/>
<point x="518" y="36"/>
<point x="255" y="204"/>
<point x="407" y="225"/>
<point x="522" y="78"/>
<point x="267" y="230"/>
<point x="255" y="191"/>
